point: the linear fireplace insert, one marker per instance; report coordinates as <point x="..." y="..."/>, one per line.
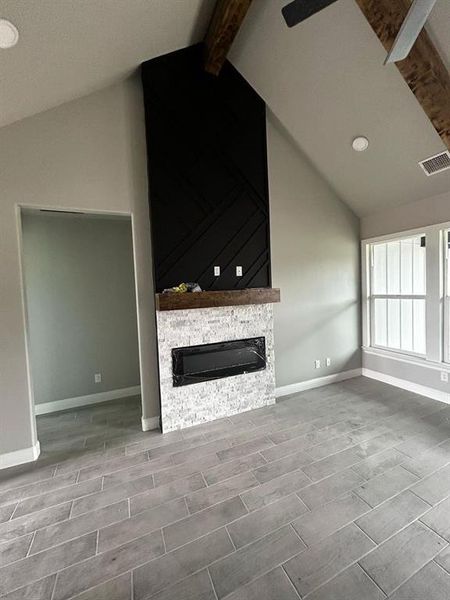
<point x="194" y="364"/>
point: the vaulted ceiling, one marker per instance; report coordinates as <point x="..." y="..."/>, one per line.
<point x="326" y="82"/>
<point x="70" y="48"/>
<point x="324" y="79"/>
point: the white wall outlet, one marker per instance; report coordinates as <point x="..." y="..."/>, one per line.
<point x="98" y="378"/>
<point x="444" y="376"/>
<point x="317" y="364"/>
<point x="238" y="271"/>
<point x="328" y="361"/>
<point x="216" y="271"/>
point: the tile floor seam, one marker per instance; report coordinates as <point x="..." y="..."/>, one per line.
<point x="230" y="538"/>
<point x="291" y="524"/>
<point x="60" y="503"/>
<point x="289" y="578"/>
<point x="52" y="595"/>
<point x="439" y="565"/>
<point x="212" y="584"/>
<point x="11" y="518"/>
<point x="258" y="539"/>
<point x="31" y="544"/>
<point x="433" y="531"/>
<point x="365" y="533"/>
<point x="205" y="482"/>
<point x="39" y="481"/>
<point x="202" y="568"/>
<point x="372" y="579"/>
<point x="131" y="584"/>
<point x="25" y="498"/>
<point x="56" y="573"/>
<point x="348" y="566"/>
<point x="414" y="573"/>
<point x="294" y="589"/>
<point x="405" y="489"/>
<point x="352" y="465"/>
<point x="273" y="567"/>
<point x="163" y="537"/>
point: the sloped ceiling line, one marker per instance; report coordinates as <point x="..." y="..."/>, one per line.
<point x="423" y="69"/>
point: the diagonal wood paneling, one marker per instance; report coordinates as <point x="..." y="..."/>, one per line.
<point x="207" y="168"/>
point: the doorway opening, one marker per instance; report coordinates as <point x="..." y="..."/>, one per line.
<point x="82" y="334"/>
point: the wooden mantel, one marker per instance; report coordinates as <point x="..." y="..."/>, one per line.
<point x="217" y="298"/>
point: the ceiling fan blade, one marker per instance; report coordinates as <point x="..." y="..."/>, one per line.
<point x="410" y="29"/>
<point x="297" y="11"/>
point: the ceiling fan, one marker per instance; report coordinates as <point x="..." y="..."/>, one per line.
<point x="298" y="10"/>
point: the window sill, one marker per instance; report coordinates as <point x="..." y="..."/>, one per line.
<point x="407" y="358"/>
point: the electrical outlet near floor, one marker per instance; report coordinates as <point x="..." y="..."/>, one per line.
<point x="444" y="376"/>
<point x="98" y="378"/>
<point x="317" y="364"/>
<point x="216" y="271"/>
<point x="239" y="271"/>
<point x="328" y="361"/>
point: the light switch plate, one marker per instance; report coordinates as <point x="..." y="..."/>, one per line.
<point x="239" y="271"/>
<point x="216" y="271"/>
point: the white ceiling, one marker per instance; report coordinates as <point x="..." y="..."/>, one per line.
<point x="70" y="48"/>
<point x="324" y="79"/>
<point x="326" y="83"/>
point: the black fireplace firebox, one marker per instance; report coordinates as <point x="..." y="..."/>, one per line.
<point x="194" y="364"/>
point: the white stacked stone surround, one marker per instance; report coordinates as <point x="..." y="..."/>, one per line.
<point x="200" y="402"/>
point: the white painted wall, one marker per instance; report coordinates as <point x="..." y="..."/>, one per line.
<point x="88" y="154"/>
<point x="315" y="263"/>
<point x="81" y="304"/>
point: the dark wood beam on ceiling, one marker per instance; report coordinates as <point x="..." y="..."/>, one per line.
<point x="423" y="69"/>
<point x="226" y="20"/>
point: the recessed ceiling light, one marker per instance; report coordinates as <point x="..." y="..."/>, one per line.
<point x="360" y="143"/>
<point x="8" y="34"/>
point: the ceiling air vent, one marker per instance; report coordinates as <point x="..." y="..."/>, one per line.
<point x="436" y="164"/>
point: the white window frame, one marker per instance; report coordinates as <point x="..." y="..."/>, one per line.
<point x="434" y="298"/>
<point x="446" y="295"/>
<point x="373" y="297"/>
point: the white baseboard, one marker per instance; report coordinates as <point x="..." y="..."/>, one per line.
<point x="295" y="388"/>
<point x="150" y="423"/>
<point x="416" y="388"/>
<point x="19" y="457"/>
<point x="57" y="405"/>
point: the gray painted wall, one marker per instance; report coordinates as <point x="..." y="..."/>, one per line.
<point x="89" y="155"/>
<point x="315" y="262"/>
<point x="81" y="304"/>
<point x="425" y="375"/>
<point x="430" y="211"/>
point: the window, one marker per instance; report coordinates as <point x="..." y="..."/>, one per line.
<point x="397" y="295"/>
<point x="447" y="296"/>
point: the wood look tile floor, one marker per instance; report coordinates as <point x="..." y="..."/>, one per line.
<point x="338" y="493"/>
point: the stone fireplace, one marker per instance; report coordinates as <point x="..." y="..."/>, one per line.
<point x="221" y="393"/>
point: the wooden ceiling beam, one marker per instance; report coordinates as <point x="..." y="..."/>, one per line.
<point x="225" y="23"/>
<point x="423" y="69"/>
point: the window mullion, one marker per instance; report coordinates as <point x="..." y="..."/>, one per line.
<point x="433" y="302"/>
